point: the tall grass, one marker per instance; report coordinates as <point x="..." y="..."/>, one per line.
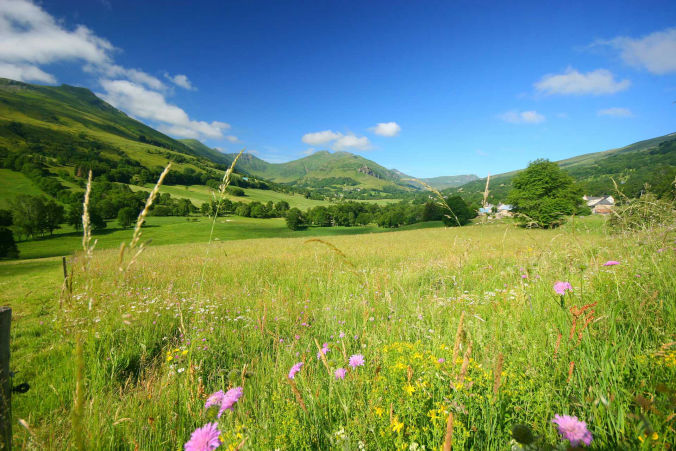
<point x="459" y="346"/>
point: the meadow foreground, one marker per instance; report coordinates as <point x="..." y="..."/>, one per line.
<point x="394" y="331"/>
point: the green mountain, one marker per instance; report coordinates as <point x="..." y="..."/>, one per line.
<point x="323" y="169"/>
<point x="68" y="128"/>
<point x="651" y="161"/>
<point x="449" y="181"/>
<point x="202" y="150"/>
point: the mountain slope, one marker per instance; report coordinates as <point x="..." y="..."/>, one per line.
<point x="322" y="169"/>
<point x="65" y="123"/>
<point x="450" y="181"/>
<point x="202" y="150"/>
<point x="650" y="161"/>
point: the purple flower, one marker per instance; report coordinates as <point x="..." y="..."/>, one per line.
<point x="323" y="351"/>
<point x="573" y="430"/>
<point x="340" y="373"/>
<point x="562" y="287"/>
<point x="295" y="369"/>
<point x="611" y="263"/>
<point x="441" y="360"/>
<point x="204" y="438"/>
<point x="524" y="276"/>
<point x="226" y="400"/>
<point x="356" y="360"/>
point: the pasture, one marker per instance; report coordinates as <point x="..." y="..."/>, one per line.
<point x="459" y="323"/>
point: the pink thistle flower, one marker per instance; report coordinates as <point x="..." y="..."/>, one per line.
<point x="340" y="373"/>
<point x="356" y="360"/>
<point x="573" y="430"/>
<point x="323" y="351"/>
<point x="562" y="287"/>
<point x="524" y="276"/>
<point x="441" y="360"/>
<point x="226" y="400"/>
<point x="611" y="263"/>
<point x="205" y="438"/>
<point x="295" y="369"/>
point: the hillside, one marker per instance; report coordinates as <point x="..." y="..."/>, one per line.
<point x="204" y="151"/>
<point x="651" y="161"/>
<point x="449" y="181"/>
<point x="326" y="170"/>
<point x="55" y="134"/>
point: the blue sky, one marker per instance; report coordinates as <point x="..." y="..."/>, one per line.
<point x="429" y="88"/>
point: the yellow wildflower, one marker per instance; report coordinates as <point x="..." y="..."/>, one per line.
<point x="410" y="389"/>
<point x="397" y="425"/>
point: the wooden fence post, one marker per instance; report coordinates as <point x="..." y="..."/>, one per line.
<point x="5" y="381"/>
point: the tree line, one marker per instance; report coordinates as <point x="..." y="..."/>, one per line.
<point x="453" y="211"/>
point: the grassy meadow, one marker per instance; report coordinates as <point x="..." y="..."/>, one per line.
<point x="181" y="230"/>
<point x="460" y="321"/>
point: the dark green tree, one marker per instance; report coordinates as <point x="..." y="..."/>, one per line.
<point x="126" y="216"/>
<point x="295" y="220"/>
<point x="8" y="247"/>
<point x="459" y="214"/>
<point x="543" y="195"/>
<point x="53" y="216"/>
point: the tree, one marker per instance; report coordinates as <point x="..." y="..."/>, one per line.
<point x="27" y="214"/>
<point x="7" y="244"/>
<point x="52" y="216"/>
<point x="295" y="220"/>
<point x="460" y="213"/>
<point x="543" y="194"/>
<point x="8" y="247"/>
<point x="125" y="217"/>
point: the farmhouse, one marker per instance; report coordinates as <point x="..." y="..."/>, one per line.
<point x="600" y="205"/>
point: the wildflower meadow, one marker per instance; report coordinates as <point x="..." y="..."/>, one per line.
<point x="489" y="336"/>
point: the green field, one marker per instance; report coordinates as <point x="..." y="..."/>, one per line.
<point x="14" y="184"/>
<point x="180" y="230"/>
<point x="186" y="320"/>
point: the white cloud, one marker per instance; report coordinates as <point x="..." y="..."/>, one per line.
<point x="339" y="140"/>
<point x="386" y="129"/>
<point x="309" y="151"/>
<point x="181" y="80"/>
<point x="523" y="117"/>
<point x="320" y="138"/>
<point x="232" y="139"/>
<point x="600" y="81"/>
<point x="30" y="37"/>
<point x="25" y="72"/>
<point x="152" y="105"/>
<point x="348" y="142"/>
<point x="655" y="52"/>
<point x="616" y="112"/>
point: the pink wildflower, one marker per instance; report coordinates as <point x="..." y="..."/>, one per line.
<point x="356" y="360"/>
<point x="340" y="373"/>
<point x="573" y="430"/>
<point x="611" y="263"/>
<point x="323" y="351"/>
<point x="562" y="287"/>
<point x="226" y="400"/>
<point x="204" y="438"/>
<point x="294" y="370"/>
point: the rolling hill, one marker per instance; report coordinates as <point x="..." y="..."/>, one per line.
<point x="449" y="181"/>
<point x="651" y="161"/>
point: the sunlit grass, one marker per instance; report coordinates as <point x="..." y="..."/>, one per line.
<point x="397" y="299"/>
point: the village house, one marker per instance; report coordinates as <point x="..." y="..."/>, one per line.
<point x="600" y="205"/>
<point x="501" y="211"/>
